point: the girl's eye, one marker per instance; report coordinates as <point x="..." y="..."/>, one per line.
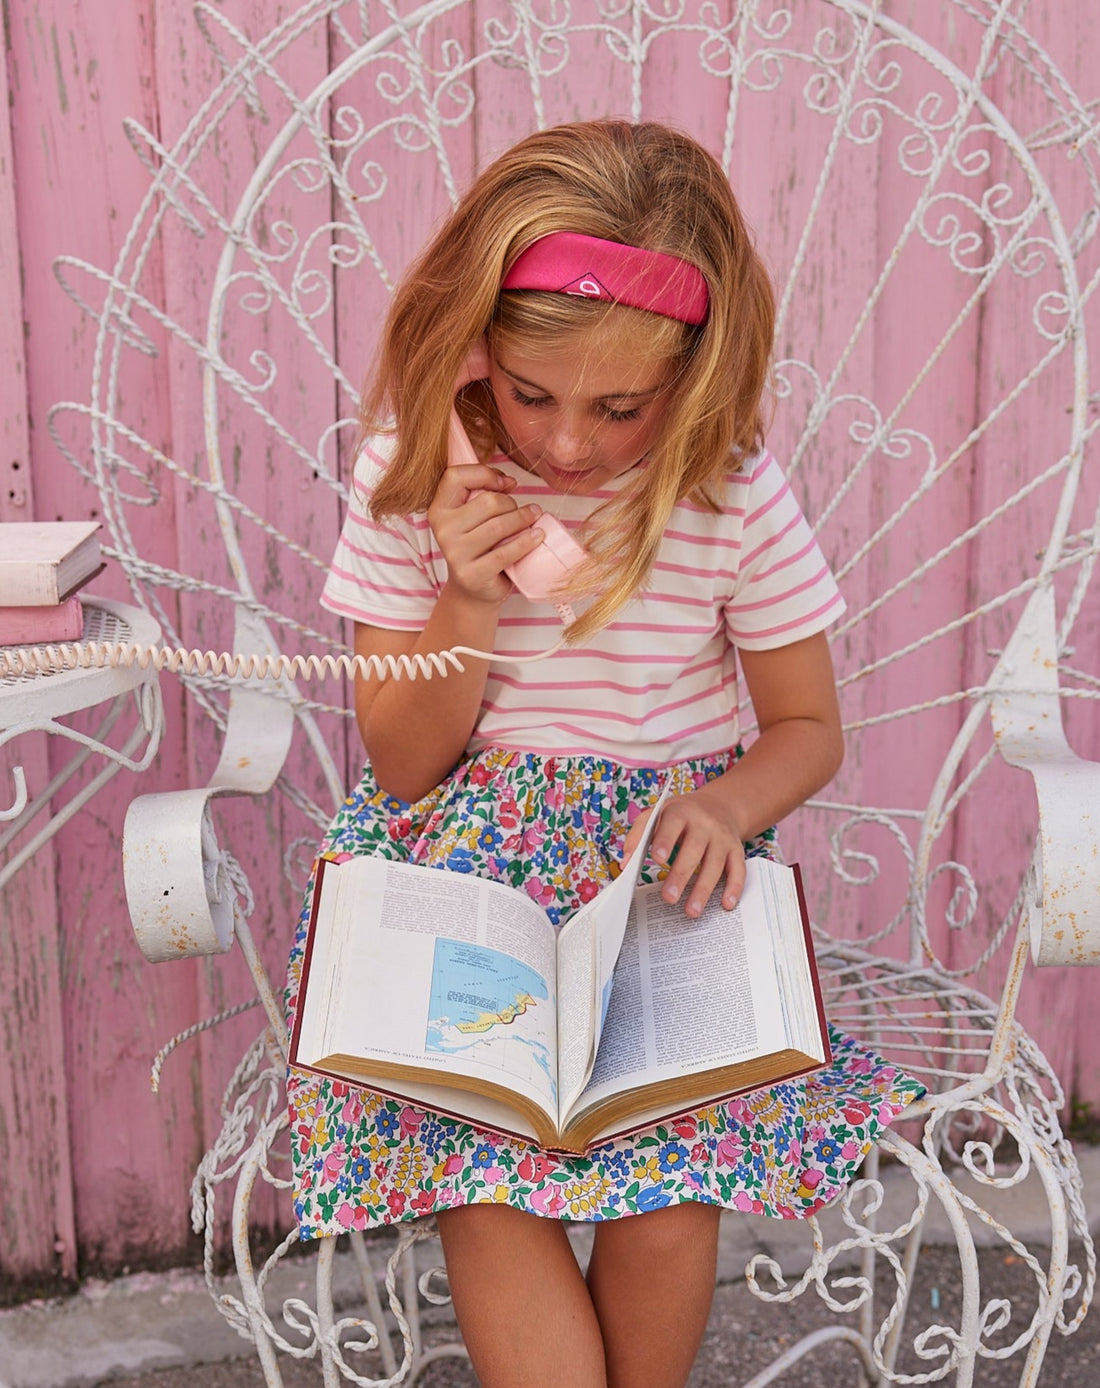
<point x="538" y="402"/>
<point x="529" y="400"/>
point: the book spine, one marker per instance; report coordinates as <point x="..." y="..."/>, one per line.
<point x="42" y="624"/>
<point x="811" y="955"/>
<point x="307" y="957"/>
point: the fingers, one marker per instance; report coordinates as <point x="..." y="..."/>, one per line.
<point x="637" y="829"/>
<point x="470" y="499"/>
<point x="461" y="481"/>
<point x="481" y="530"/>
<point x="695" y="872"/>
<point x="500" y="539"/>
<point x="696" y="884"/>
<point x="735" y="879"/>
<point x="702" y="852"/>
<point x="511" y="551"/>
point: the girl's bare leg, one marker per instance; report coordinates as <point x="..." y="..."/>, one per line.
<point x="651" y="1278"/>
<point x="522" y="1304"/>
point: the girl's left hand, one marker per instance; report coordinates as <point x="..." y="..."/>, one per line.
<point x="699" y="831"/>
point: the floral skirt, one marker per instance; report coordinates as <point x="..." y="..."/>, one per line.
<point x="554" y="827"/>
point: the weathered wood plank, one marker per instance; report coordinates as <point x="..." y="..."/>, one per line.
<point x="1055" y="1003"/>
<point x="76" y="72"/>
<point x="15" y="478"/>
<point x="261" y="468"/>
<point x="70" y="184"/>
<point x="34" y="1117"/>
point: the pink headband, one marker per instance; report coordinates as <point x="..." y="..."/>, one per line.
<point x="565" y="262"/>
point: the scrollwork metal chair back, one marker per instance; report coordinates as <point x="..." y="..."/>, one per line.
<point x="936" y="261"/>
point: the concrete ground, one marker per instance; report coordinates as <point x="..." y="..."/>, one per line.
<point x="163" y="1331"/>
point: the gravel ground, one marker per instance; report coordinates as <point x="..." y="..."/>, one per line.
<point x="745" y="1335"/>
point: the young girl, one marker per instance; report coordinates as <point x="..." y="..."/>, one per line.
<point x="606" y="275"/>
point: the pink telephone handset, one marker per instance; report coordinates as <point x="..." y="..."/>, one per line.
<point x="539" y="574"/>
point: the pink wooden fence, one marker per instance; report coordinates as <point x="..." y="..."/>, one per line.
<point x="95" y="1168"/>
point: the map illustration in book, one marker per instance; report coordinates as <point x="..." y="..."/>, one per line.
<point x="456" y="993"/>
<point x="483" y="1003"/>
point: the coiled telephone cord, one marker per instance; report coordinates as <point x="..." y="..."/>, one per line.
<point x="20" y="661"/>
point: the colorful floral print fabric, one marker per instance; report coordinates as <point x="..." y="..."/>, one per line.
<point x="554" y="827"/>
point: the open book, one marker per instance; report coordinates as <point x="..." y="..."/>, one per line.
<point x="458" y="993"/>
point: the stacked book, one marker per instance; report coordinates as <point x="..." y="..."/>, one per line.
<point x="43" y="565"/>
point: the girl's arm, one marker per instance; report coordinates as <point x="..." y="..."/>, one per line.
<point x="416" y="730"/>
<point x="799" y="749"/>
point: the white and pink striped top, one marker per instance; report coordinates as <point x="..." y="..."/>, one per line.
<point x="659" y="684"/>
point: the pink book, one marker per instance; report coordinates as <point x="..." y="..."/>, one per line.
<point x="41" y="626"/>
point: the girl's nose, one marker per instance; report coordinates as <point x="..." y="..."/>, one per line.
<point x="570" y="442"/>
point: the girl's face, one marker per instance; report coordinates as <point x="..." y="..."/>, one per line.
<point x="584" y="411"/>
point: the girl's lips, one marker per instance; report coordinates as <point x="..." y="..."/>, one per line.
<point x="567" y="474"/>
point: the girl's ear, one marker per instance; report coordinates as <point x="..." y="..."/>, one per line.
<point x="476" y="365"/>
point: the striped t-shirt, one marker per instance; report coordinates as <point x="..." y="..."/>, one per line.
<point x="659" y="683"/>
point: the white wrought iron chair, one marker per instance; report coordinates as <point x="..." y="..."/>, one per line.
<point x="930" y="212"/>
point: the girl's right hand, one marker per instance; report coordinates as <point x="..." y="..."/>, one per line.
<point x="481" y="530"/>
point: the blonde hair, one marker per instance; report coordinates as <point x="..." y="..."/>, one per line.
<point x="644" y="185"/>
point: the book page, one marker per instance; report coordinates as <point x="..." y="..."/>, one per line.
<point x="588" y="947"/>
<point x="792" y="962"/>
<point x="411" y="967"/>
<point x="689" y="994"/>
<point x="576" y="1015"/>
<point x="611" y="910"/>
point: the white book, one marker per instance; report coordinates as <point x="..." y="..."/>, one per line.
<point x="45" y="562"/>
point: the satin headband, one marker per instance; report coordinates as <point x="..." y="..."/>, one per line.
<point x="565" y="262"/>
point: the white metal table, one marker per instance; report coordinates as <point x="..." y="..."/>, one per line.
<point x="37" y="702"/>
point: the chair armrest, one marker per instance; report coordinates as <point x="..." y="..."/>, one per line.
<point x="177" y="891"/>
<point x="178" y="888"/>
<point x="1027" y="725"/>
<point x="260" y="723"/>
